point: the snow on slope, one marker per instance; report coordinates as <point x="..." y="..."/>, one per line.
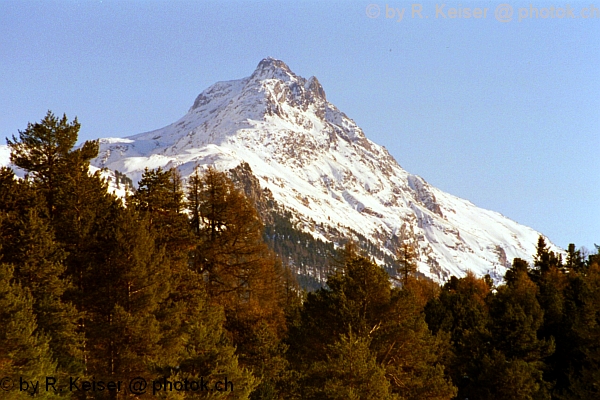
<point x="4" y="155"/>
<point x="318" y="163"/>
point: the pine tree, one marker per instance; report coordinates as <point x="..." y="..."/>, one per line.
<point x="15" y="195"/>
<point x="44" y="150"/>
<point x="27" y="241"/>
<point x="39" y="266"/>
<point x="159" y="192"/>
<point x="126" y="284"/>
<point x="461" y="311"/>
<point x="76" y="202"/>
<point x="160" y="196"/>
<point x="350" y="372"/>
<point x="519" y="267"/>
<point x="574" y="261"/>
<point x="16" y="199"/>
<point x="516" y="317"/>
<point x="581" y="361"/>
<point x="360" y="297"/>
<point x="160" y="199"/>
<point x="544" y="259"/>
<point x="139" y="309"/>
<point x="503" y="378"/>
<point x="208" y="353"/>
<point x="557" y="323"/>
<point x="25" y="351"/>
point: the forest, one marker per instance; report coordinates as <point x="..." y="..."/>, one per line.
<point x="176" y="284"/>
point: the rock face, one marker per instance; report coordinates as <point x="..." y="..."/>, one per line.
<point x="320" y="168"/>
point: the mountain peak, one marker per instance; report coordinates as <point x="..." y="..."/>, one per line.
<point x="271" y="61"/>
<point x="272" y="68"/>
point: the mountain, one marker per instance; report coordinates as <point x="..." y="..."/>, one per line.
<point x="324" y="180"/>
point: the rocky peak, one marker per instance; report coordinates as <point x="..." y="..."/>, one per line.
<point x="271" y="68"/>
<point x="315" y="89"/>
<point x="267" y="91"/>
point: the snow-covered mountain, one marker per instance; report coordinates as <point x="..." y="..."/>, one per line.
<point x="318" y="165"/>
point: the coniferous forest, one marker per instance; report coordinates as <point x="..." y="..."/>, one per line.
<point x="177" y="285"/>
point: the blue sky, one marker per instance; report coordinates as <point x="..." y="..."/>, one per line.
<point x="504" y="114"/>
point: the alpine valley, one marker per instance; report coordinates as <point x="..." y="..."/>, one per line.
<point x="317" y="180"/>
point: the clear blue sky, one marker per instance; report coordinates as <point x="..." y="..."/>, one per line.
<point x="504" y="114"/>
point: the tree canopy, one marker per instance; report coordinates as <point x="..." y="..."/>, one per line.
<point x="180" y="281"/>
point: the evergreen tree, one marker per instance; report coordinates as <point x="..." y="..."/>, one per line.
<point x="557" y="323"/>
<point x="76" y="202"/>
<point x="518" y="268"/>
<point x="574" y="261"/>
<point x="497" y="353"/>
<point x="159" y="192"/>
<point x="25" y="351"/>
<point x="360" y="298"/>
<point x="126" y="284"/>
<point x="160" y="196"/>
<point x="208" y="352"/>
<point x="15" y="195"/>
<point x="350" y="372"/>
<point x="27" y="241"/>
<point x="516" y="317"/>
<point x="503" y="378"/>
<point x="136" y="308"/>
<point x="17" y="198"/>
<point x="581" y="362"/>
<point x="412" y="356"/>
<point x="39" y="266"/>
<point x="160" y="199"/>
<point x="461" y="310"/>
<point x="544" y="259"/>
<point x="45" y="151"/>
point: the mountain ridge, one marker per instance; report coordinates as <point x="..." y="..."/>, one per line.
<point x="322" y="169"/>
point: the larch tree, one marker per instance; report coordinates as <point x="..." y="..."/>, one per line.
<point x="406" y="257"/>
<point x="239" y="271"/>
